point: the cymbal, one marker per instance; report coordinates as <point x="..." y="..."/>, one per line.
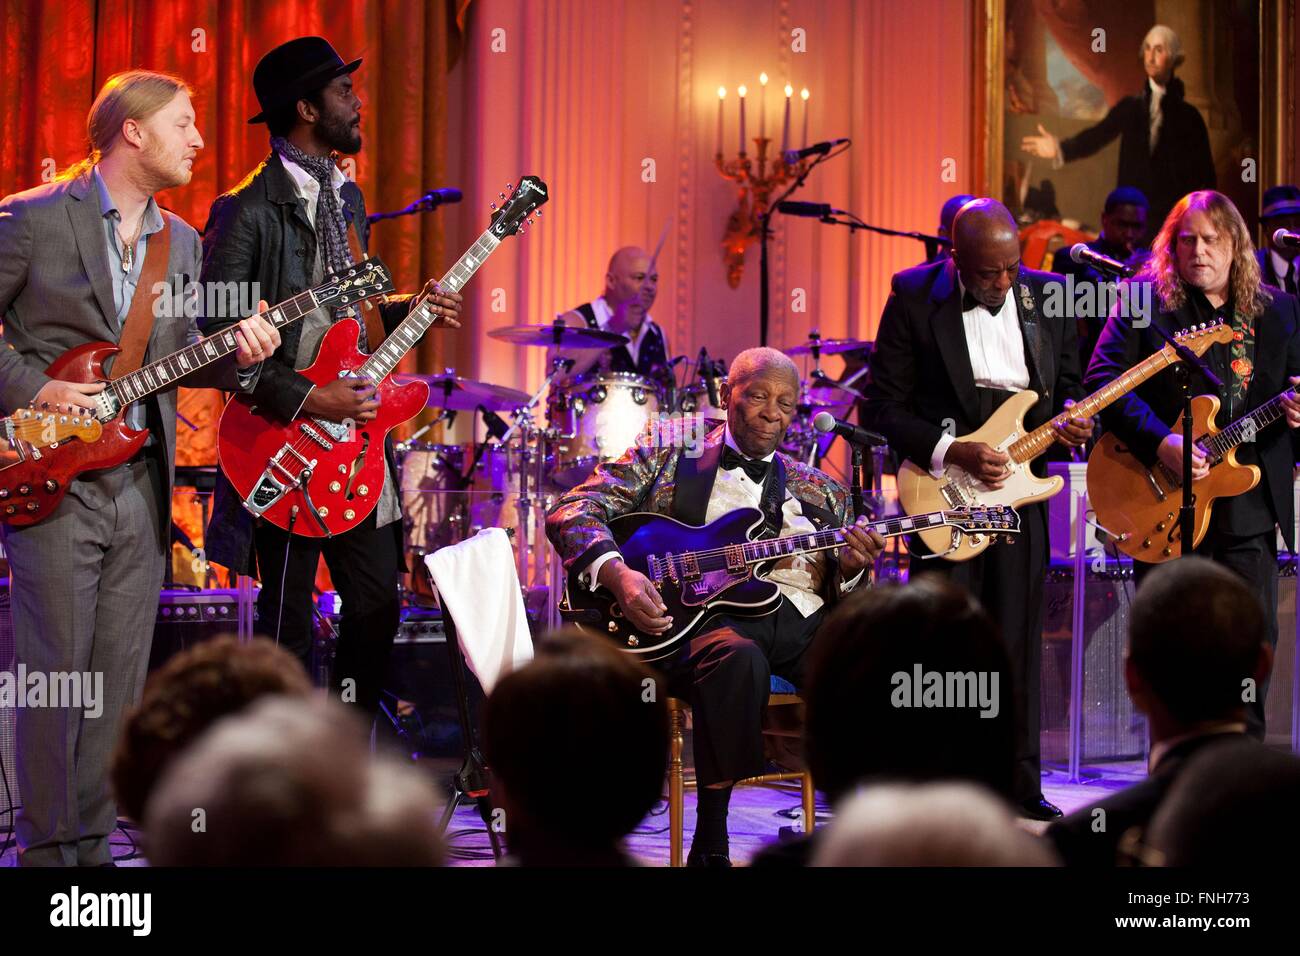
<point x="830" y="346"/>
<point x="464" y="394"/>
<point x="558" y="335"/>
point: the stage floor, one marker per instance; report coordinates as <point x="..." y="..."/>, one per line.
<point x="754" y="820"/>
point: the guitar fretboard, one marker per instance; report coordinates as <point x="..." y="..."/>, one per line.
<point x="161" y="373"/>
<point x="1042" y="437"/>
<point x="403" y="338"/>
<point x="1245" y="428"/>
<point x="756" y="552"/>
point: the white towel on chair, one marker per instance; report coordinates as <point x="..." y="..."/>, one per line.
<point x="479" y="587"/>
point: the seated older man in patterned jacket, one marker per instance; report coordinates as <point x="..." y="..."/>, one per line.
<point x="724" y="671"/>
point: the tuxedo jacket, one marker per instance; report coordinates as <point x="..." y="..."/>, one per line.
<point x="1082" y="840"/>
<point x="921" y="378"/>
<point x="662" y="477"/>
<point x="1142" y="419"/>
<point x="56" y="293"/>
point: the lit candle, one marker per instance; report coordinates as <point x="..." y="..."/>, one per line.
<point x="722" y="95"/>
<point x="762" y="104"/>
<point x="741" y="91"/>
<point x="804" y="96"/>
<point x="785" y="127"/>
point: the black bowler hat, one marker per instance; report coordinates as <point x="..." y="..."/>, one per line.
<point x="1280" y="201"/>
<point x="294" y="69"/>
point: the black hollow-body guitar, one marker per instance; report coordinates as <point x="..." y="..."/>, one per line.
<point x="706" y="570"/>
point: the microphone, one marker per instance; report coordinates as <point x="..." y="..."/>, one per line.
<point x="1082" y="254"/>
<point x="826" y="423"/>
<point x="441" y="197"/>
<point x="813" y="210"/>
<point x="792" y="156"/>
<point x="1285" y="237"/>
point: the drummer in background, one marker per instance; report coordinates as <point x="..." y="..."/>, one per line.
<point x="630" y="287"/>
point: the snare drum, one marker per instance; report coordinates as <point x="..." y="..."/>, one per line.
<point x="598" y="418"/>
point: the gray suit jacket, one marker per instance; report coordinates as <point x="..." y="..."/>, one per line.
<point x="56" y="293"/>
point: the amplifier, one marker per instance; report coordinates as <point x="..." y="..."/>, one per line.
<point x="187" y="617"/>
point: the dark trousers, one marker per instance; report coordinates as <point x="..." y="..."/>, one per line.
<point x="725" y="674"/>
<point x="1254" y="557"/>
<point x="364" y="565"/>
<point x="1008" y="580"/>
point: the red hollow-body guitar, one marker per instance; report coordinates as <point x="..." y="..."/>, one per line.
<point x="318" y="478"/>
<point x="54" y="448"/>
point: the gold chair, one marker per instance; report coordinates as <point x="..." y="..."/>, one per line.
<point x="678" y="784"/>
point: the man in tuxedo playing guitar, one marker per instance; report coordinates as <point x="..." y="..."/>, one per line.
<point x="1203" y="268"/>
<point x="956" y="339"/>
<point x="724" y="671"/>
<point x="78" y="256"/>
<point x="294" y="219"/>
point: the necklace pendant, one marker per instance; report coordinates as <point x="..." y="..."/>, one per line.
<point x="128" y="257"/>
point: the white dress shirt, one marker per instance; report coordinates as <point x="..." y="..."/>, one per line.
<point x="1157" y="115"/>
<point x="604" y="313"/>
<point x="1281" y="268"/>
<point x="997" y="356"/>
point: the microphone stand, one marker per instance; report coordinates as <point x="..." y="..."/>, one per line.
<point x="425" y="203"/>
<point x="1190" y="361"/>
<point x="932" y="243"/>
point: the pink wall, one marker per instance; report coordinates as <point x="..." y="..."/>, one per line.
<point x="587" y="90"/>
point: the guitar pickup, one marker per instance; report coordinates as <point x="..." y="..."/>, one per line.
<point x="690" y="567"/>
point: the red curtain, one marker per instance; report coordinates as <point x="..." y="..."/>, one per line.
<point x="54" y="58"/>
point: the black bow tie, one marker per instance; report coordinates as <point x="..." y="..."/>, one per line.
<point x="756" y="468"/>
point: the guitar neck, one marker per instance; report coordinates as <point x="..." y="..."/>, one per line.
<point x="756" y="552"/>
<point x="1246" y="427"/>
<point x="403" y="338"/>
<point x="159" y="374"/>
<point x="1041" y="438"/>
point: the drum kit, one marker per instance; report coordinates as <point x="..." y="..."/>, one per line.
<point x="451" y="492"/>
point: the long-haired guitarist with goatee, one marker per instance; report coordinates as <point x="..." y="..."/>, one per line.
<point x="957" y="339"/>
<point x="80" y="260"/>
<point x="1202" y="269"/>
<point x="724" y="670"/>
<point x="293" y="220"/>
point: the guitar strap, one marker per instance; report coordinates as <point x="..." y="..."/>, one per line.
<point x="374" y="322"/>
<point x="138" y="326"/>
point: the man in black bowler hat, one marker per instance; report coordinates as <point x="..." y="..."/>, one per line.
<point x="292" y="221"/>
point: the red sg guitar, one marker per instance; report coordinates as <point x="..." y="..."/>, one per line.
<point x="319" y="478"/>
<point x="54" y="448"/>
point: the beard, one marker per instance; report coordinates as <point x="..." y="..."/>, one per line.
<point x="340" y="135"/>
<point x="162" y="171"/>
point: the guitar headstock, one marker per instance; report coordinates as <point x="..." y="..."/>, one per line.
<point x="42" y="427"/>
<point x="981" y="519"/>
<point x="364" y="280"/>
<point x="524" y="199"/>
<point x="1199" y="338"/>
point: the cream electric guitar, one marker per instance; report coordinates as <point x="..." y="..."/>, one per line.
<point x="919" y="492"/>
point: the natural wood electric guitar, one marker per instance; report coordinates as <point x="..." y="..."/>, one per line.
<point x="920" y="492"/>
<point x="1140" y="505"/>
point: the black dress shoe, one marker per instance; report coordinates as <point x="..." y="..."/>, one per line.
<point x="1040" y="809"/>
<point x="711" y="860"/>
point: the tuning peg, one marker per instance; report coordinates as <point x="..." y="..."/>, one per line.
<point x="510" y="186"/>
<point x="521" y="231"/>
<point x="501" y="195"/>
<point x="492" y="206"/>
<point x="539" y="214"/>
<point x="530" y="222"/>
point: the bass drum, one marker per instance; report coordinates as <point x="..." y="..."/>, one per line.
<point x="434" y="510"/>
<point x="598" y="417"/>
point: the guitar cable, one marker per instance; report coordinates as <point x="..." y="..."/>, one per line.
<point x="284" y="572"/>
